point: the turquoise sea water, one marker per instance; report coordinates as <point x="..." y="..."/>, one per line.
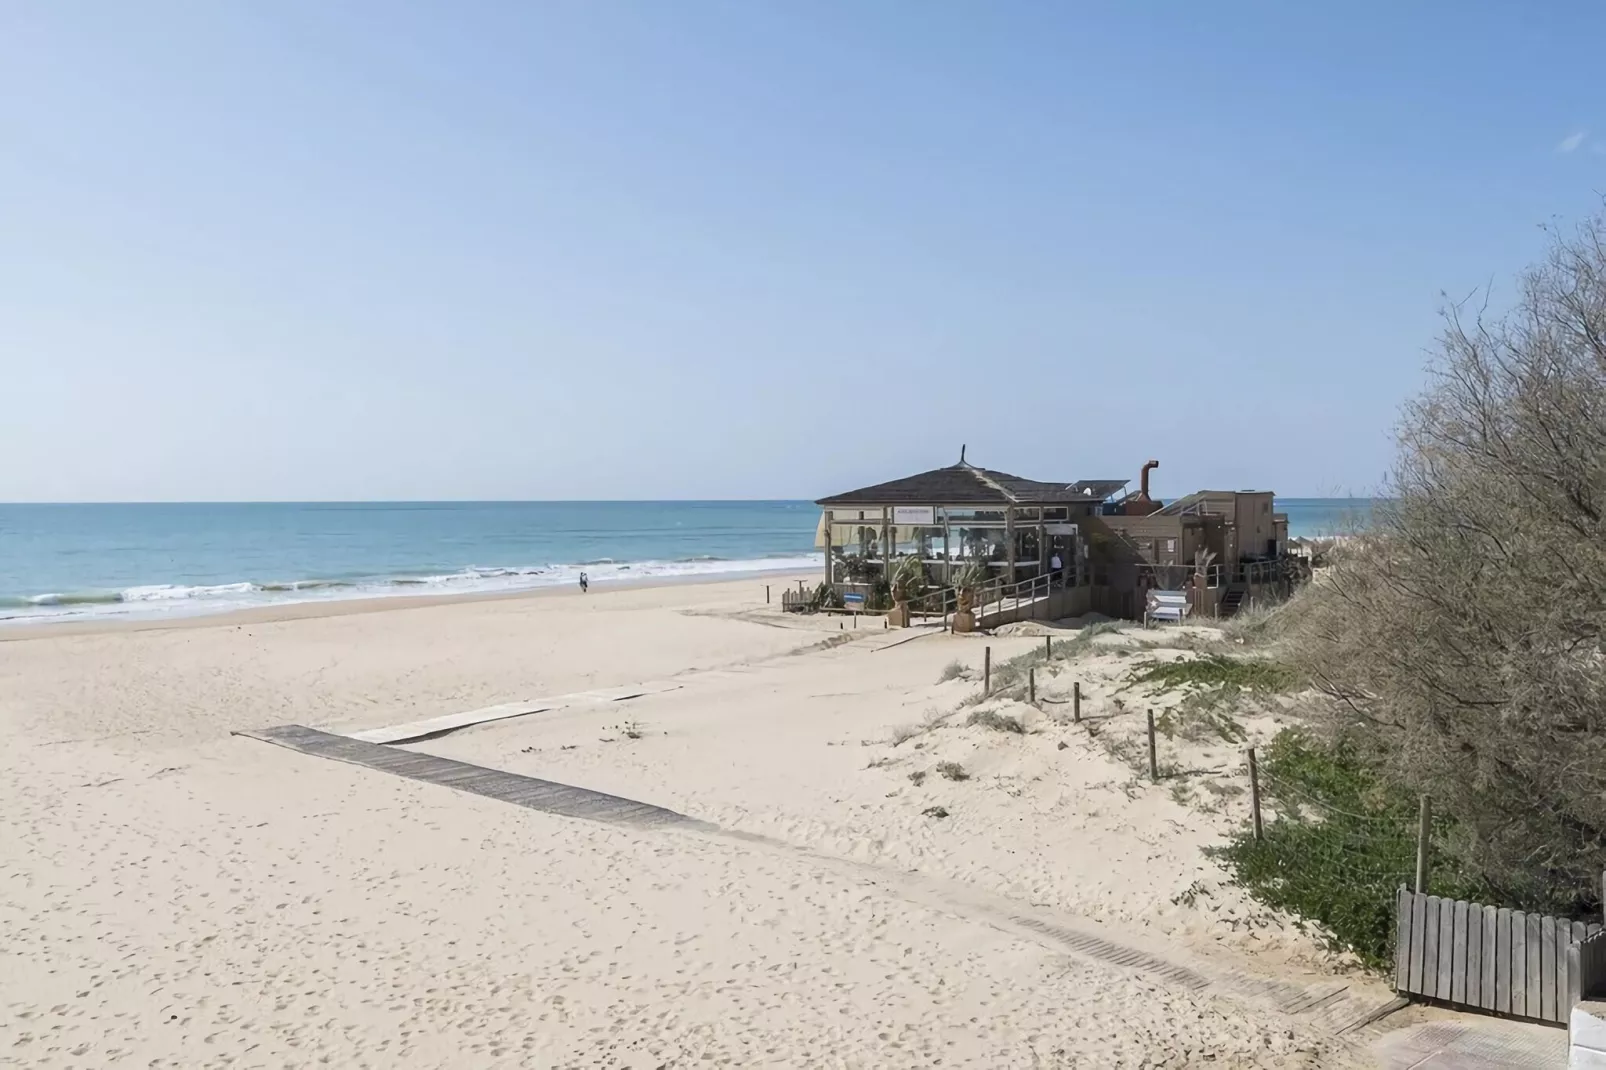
<point x="67" y="562"/>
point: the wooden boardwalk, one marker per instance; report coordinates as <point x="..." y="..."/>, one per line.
<point x="1333" y="1007"/>
<point x="544" y="795"/>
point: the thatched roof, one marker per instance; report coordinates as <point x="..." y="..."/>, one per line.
<point x="966" y="484"/>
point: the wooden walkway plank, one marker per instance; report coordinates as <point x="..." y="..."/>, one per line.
<point x="544" y="795"/>
<point x="433" y="727"/>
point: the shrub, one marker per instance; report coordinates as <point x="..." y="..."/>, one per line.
<point x="952" y="771"/>
<point x="904" y="733"/>
<point x="1215" y="670"/>
<point x="998" y="722"/>
<point x="1337" y="851"/>
<point x="951" y="671"/>
<point x="1459" y="640"/>
<point x="1342" y="841"/>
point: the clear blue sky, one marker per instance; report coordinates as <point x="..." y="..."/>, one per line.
<point x="299" y="249"/>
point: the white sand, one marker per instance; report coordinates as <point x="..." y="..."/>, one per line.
<point x="171" y="895"/>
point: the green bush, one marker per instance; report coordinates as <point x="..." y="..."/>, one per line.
<point x="1216" y="670"/>
<point x="1338" y="849"/>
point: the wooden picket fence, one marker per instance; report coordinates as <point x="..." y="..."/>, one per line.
<point x="1502" y="961"/>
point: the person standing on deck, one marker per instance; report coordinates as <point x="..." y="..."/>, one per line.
<point x="1056" y="568"/>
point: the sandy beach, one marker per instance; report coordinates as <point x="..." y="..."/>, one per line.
<point x="174" y="895"/>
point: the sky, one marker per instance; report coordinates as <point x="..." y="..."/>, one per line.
<point x="287" y="249"/>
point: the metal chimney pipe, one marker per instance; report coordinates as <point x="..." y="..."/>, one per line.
<point x="1143" y="480"/>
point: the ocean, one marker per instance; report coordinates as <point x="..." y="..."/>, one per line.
<point x="85" y="561"/>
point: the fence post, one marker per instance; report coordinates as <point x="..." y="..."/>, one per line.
<point x="1031" y="686"/>
<point x="1076" y="702"/>
<point x="1424" y="818"/>
<point x="1154" y="766"/>
<point x="766" y="594"/>
<point x="1254" y="790"/>
<point x="1048" y="646"/>
<point x="986" y="671"/>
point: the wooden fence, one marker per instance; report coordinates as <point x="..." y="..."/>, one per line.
<point x="1502" y="961"/>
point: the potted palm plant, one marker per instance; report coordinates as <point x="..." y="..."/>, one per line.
<point x="908" y="581"/>
<point x="968" y="583"/>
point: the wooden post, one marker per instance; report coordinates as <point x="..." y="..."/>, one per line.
<point x="1031" y="686"/>
<point x="947" y="556"/>
<point x="1048" y="646"/>
<point x="830" y="520"/>
<point x="888" y="535"/>
<point x="1009" y="542"/>
<point x="1076" y="702"/>
<point x="986" y="671"/>
<point x="855" y="620"/>
<point x="1424" y="818"/>
<point x="766" y="594"/>
<point x="1154" y="766"/>
<point x="1254" y="790"/>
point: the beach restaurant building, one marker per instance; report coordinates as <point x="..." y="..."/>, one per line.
<point x="953" y="516"/>
<point x="1111" y="547"/>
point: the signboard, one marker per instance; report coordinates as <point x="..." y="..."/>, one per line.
<point x="909" y="516"/>
<point x="1060" y="529"/>
<point x="853" y="601"/>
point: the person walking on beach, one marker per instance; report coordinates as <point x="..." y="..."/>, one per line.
<point x="585" y="583"/>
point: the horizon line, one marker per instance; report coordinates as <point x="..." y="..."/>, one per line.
<point x="532" y="501"/>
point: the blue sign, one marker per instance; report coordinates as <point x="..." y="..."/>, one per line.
<point x="853" y="601"/>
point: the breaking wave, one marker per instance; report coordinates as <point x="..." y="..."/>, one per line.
<point x="190" y="599"/>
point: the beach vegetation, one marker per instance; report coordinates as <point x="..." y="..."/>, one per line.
<point x="951" y="671"/>
<point x="1215" y="671"/>
<point x="968" y="582"/>
<point x="908" y="579"/>
<point x="1338" y="842"/>
<point x="824" y="596"/>
<point x="952" y="771"/>
<point x="998" y="722"/>
<point x="1456" y="647"/>
<point x="903" y="733"/>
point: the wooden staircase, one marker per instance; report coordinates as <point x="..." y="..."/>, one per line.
<point x="1231" y="601"/>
